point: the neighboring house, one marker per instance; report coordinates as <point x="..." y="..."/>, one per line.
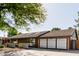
<point x="4" y="41"/>
<point x="57" y="39"/>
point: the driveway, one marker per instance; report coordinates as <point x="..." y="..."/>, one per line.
<point x="49" y="52"/>
<point x="37" y="52"/>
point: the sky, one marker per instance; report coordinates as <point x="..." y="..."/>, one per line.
<point x="60" y="15"/>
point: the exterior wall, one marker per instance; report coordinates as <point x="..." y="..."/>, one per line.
<point x="37" y="43"/>
<point x="77" y="44"/>
<point x="69" y="44"/>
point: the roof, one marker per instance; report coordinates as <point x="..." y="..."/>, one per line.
<point x="59" y="33"/>
<point x="3" y="37"/>
<point x="29" y="35"/>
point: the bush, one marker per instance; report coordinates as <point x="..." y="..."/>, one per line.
<point x="1" y="46"/>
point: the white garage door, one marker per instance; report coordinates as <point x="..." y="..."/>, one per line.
<point x="61" y="43"/>
<point x="51" y="43"/>
<point x="43" y="43"/>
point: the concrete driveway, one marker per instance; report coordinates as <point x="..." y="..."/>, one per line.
<point x="37" y="52"/>
<point x="50" y="52"/>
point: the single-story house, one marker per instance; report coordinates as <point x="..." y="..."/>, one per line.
<point x="57" y="39"/>
<point x="31" y="38"/>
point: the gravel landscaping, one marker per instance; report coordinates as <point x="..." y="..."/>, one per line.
<point x="37" y="52"/>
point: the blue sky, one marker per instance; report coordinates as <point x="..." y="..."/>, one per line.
<point x="60" y="15"/>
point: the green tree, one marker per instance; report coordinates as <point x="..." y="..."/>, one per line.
<point x="12" y="32"/>
<point x="22" y="14"/>
<point x="56" y="28"/>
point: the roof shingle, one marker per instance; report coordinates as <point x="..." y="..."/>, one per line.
<point x="59" y="33"/>
<point x="29" y="35"/>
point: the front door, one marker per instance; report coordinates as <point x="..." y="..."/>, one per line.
<point x="73" y="44"/>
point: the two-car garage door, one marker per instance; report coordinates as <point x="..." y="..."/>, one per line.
<point x="53" y="43"/>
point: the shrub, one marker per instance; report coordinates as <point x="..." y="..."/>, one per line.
<point x="1" y="46"/>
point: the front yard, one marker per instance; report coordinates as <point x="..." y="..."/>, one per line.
<point x="37" y="52"/>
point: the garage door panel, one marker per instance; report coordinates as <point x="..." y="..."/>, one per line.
<point x="61" y="43"/>
<point x="51" y="43"/>
<point x="43" y="43"/>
